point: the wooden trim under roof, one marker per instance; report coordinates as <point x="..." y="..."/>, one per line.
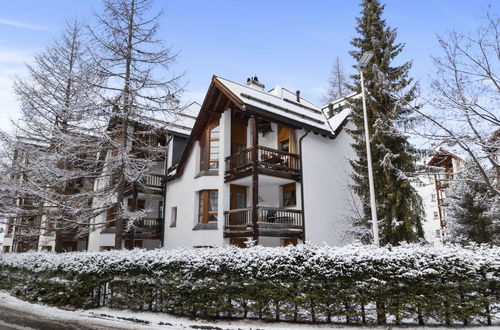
<point x="209" y="110"/>
<point x="220" y="98"/>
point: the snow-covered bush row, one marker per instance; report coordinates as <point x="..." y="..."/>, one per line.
<point x="355" y="283"/>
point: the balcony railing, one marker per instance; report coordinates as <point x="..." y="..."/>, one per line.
<point x="149" y="224"/>
<point x="270" y="219"/>
<point x="267" y="158"/>
<point x="154" y="180"/>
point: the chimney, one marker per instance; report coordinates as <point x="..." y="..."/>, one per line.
<point x="297" y="93"/>
<point x="254" y="83"/>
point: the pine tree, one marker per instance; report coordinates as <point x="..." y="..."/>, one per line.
<point x="389" y="91"/>
<point x="473" y="214"/>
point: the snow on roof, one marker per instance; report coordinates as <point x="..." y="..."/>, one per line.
<point x="182" y="122"/>
<point x="340" y="110"/>
<point x="279" y="101"/>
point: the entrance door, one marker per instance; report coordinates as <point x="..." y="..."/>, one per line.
<point x="238" y="201"/>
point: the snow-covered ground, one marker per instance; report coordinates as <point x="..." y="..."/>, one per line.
<point x="105" y="318"/>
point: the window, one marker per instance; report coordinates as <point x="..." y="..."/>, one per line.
<point x="110" y="216"/>
<point x="289" y="195"/>
<point x="239" y="242"/>
<point x="10" y="226"/>
<point x="289" y="241"/>
<point x="141" y="204"/>
<point x="438" y="233"/>
<point x="173" y="217"/>
<point x="208" y="206"/>
<point x="209" y="147"/>
<point x="283" y="138"/>
<point x="436" y="215"/>
<point x="160" y="209"/>
<point x="433" y="197"/>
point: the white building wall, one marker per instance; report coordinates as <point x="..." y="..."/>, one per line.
<point x="183" y="192"/>
<point x="431" y="225"/>
<point x="328" y="201"/>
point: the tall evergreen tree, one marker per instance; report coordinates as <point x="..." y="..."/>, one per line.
<point x="389" y="90"/>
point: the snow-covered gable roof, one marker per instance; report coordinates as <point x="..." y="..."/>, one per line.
<point x="341" y="112"/>
<point x="181" y="123"/>
<point x="279" y="102"/>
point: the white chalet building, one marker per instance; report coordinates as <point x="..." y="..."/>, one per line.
<point x="263" y="165"/>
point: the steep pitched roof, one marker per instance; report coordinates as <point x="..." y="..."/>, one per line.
<point x="181" y="123"/>
<point x="278" y="104"/>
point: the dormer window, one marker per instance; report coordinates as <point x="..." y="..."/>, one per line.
<point x="209" y="147"/>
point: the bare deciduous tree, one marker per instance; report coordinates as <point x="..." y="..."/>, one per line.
<point x="134" y="65"/>
<point x="465" y="97"/>
<point x="50" y="163"/>
<point x="337" y="85"/>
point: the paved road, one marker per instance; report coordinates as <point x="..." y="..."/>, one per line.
<point x="13" y="319"/>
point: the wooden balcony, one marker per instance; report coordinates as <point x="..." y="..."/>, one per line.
<point x="269" y="161"/>
<point x="272" y="222"/>
<point x="153" y="183"/>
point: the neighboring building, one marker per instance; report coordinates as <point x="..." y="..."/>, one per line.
<point x="149" y="196"/>
<point x="443" y="165"/>
<point x="268" y="166"/>
<point x="21" y="233"/>
<point x="37" y="232"/>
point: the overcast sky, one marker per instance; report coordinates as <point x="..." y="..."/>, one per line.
<point x="290" y="43"/>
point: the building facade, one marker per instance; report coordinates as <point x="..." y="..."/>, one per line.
<point x="264" y="166"/>
<point x="442" y="165"/>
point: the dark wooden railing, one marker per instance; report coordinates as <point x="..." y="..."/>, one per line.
<point x="268" y="218"/>
<point x="267" y="158"/>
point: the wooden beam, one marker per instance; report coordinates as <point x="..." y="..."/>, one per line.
<point x="255" y="180"/>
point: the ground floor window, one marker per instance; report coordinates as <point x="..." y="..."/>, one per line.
<point x="208" y="205"/>
<point x="173" y="217"/>
<point x="289" y="241"/>
<point x="240" y="242"/>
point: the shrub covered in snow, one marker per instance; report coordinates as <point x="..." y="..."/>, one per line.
<point x="355" y="283"/>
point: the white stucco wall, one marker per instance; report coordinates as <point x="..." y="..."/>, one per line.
<point x="183" y="194"/>
<point x="328" y="202"/>
<point x="431" y="224"/>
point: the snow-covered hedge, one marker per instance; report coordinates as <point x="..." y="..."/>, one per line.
<point x="355" y="283"/>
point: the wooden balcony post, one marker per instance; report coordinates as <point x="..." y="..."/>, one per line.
<point x="255" y="180"/>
